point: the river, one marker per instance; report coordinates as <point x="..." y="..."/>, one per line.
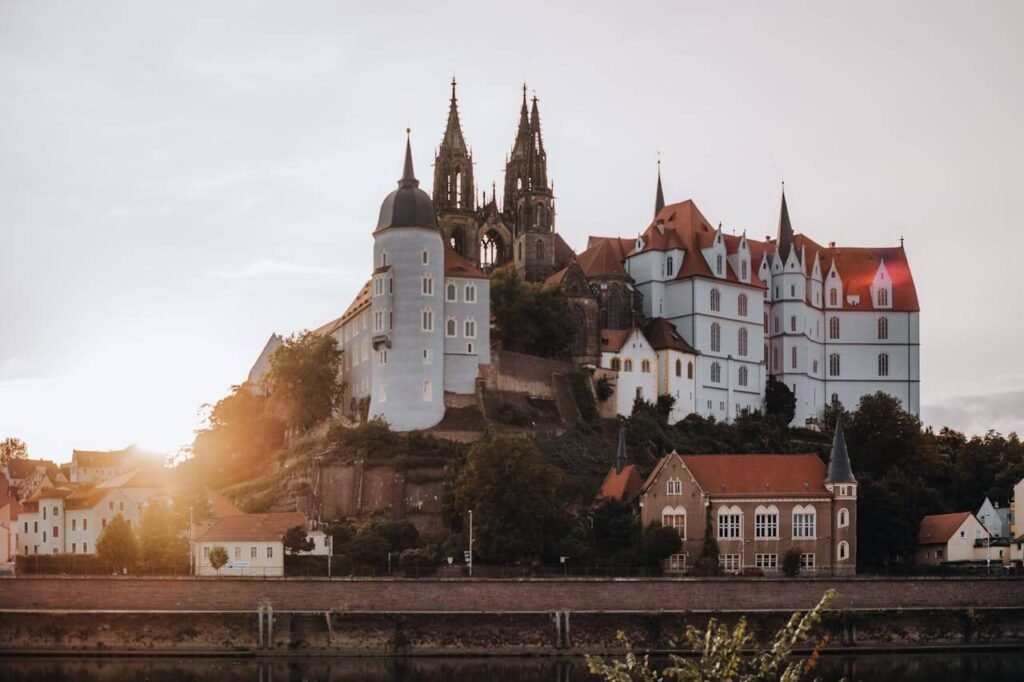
<point x="906" y="667"/>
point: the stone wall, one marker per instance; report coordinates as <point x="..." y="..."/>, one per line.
<point x="524" y="373"/>
<point x="360" y="489"/>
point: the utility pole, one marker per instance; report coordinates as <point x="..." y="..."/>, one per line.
<point x="470" y="543"/>
<point x="191" y="551"/>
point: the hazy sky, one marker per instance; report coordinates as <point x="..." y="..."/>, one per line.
<point x="180" y="179"/>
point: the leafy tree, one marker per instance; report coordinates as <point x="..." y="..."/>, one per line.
<point x="707" y="562"/>
<point x="367" y="548"/>
<point x="401" y="535"/>
<point x="163" y="547"/>
<point x="341" y="532"/>
<point x="513" y="493"/>
<point x="296" y="540"/>
<point x="722" y="655"/>
<point x="12" y="448"/>
<point x="779" y="400"/>
<point x="659" y="543"/>
<point x="791" y="563"/>
<point x="416" y="561"/>
<point x="616" y="532"/>
<point x="117" y="546"/>
<point x="303" y="379"/>
<point x="882" y="436"/>
<point x="529" y="318"/>
<point x="218" y="557"/>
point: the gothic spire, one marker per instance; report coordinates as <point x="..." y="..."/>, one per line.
<point x="659" y="196"/>
<point x="535" y="126"/>
<point x="620" y="456"/>
<point x="522" y="144"/>
<point x="839" y="469"/>
<point x="408" y="176"/>
<point x="453" y="138"/>
<point x="785" y="240"/>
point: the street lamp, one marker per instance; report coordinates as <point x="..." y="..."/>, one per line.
<point x="988" y="543"/>
<point x="470" y="543"/>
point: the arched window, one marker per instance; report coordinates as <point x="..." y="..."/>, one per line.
<point x="614" y="307"/>
<point x="718" y="265"/>
<point x="645" y="366"/>
<point x="883" y="364"/>
<point x="627" y="366"/>
<point x="450" y="327"/>
<point x="730" y="523"/>
<point x="673" y="487"/>
<point x="716" y="337"/>
<point x="792" y="323"/>
<point x="804" y="522"/>
<point x="835" y="399"/>
<point x="742" y="341"/>
<point x="540" y="250"/>
<point x="679" y="368"/>
<point x="883" y="328"/>
<point x="766" y="522"/>
<point x="843" y="551"/>
<point x="833" y="365"/>
<point x="844" y="519"/>
<point x="689" y="370"/>
<point x="744" y="375"/>
<point x="883" y="297"/>
<point x="669" y="267"/>
<point x="716" y="373"/>
<point x="743" y="270"/>
<point x="491" y="249"/>
<point x="675" y="517"/>
<point x="833" y="297"/>
<point x="741" y="305"/>
<point x="716" y="300"/>
<point x="615" y="364"/>
<point x="450" y="292"/>
<point x="833" y="327"/>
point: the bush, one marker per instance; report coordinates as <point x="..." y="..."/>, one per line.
<point x="368" y="548"/>
<point x="659" y="543"/>
<point x="401" y="535"/>
<point x="791" y="563"/>
<point x="416" y="562"/>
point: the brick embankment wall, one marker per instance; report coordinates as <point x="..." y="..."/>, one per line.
<point x="500" y="596"/>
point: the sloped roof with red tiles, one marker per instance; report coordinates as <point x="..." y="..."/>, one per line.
<point x="937" y="529"/>
<point x="620" y="485"/>
<point x="457" y="266"/>
<point x="86" y="497"/>
<point x="24" y="468"/>
<point x="604" y="257"/>
<point x="754" y="474"/>
<point x="612" y="340"/>
<point x="662" y="335"/>
<point x="268" y="526"/>
<point x="564" y="253"/>
<point x="360" y="303"/>
<point x="102" y="459"/>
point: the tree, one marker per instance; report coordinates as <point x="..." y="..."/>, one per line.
<point x="296" y="540"/>
<point x="707" y="562"/>
<point x="367" y="548"/>
<point x="218" y="557"/>
<point x="726" y="656"/>
<point x="791" y="563"/>
<point x="659" y="543"/>
<point x="616" y="532"/>
<point x="513" y="493"/>
<point x="529" y="318"/>
<point x="779" y="400"/>
<point x="401" y="535"/>
<point x="12" y="448"/>
<point x="117" y="546"/>
<point x="163" y="547"/>
<point x="303" y="379"/>
<point x="883" y="436"/>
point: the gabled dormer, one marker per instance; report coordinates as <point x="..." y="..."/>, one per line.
<point x="881" y="287"/>
<point x="715" y="255"/>
<point x="816" y="268"/>
<point x="764" y="272"/>
<point x="740" y="260"/>
<point x="833" y="287"/>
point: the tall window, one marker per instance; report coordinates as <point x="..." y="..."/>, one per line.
<point x="883" y="297"/>
<point x="716" y="373"/>
<point x="426" y="257"/>
<point x="540" y="250"/>
<point x="674" y="487"/>
<point x="718" y="265"/>
<point x="679" y="368"/>
<point x="669" y="266"/>
<point x="743" y="270"/>
<point x="833" y="365"/>
<point x="804" y="522"/>
<point x="833" y="327"/>
<point x="883" y="328"/>
<point x="450" y="327"/>
<point x="741" y="341"/>
<point x="627" y="366"/>
<point x="428" y="285"/>
<point x="843" y="551"/>
<point x="689" y="370"/>
<point x="716" y="337"/>
<point x="743" y="376"/>
<point x="883" y="365"/>
<point x="844" y="518"/>
<point x="730" y="523"/>
<point x="716" y="300"/>
<point x="792" y="356"/>
<point x="676" y="519"/>
<point x="450" y="291"/>
<point x="741" y="305"/>
<point x="833" y="297"/>
<point x="792" y="323"/>
<point x="616" y="364"/>
<point x="470" y="293"/>
<point x="766" y="522"/>
<point x="645" y="366"/>
<point x="428" y="321"/>
<point x="766" y="323"/>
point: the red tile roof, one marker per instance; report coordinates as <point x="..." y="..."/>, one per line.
<point x="21" y="469"/>
<point x="457" y="266"/>
<point x="760" y="474"/>
<point x="360" y="303"/>
<point x="604" y="257"/>
<point x="662" y="334"/>
<point x="612" y="340"/>
<point x="937" y="529"/>
<point x="563" y="252"/>
<point x="252" y="527"/>
<point x="620" y="485"/>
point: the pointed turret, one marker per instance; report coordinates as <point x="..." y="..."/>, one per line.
<point x="839" y="469"/>
<point x="453" y="166"/>
<point x="408" y="176"/>
<point x="522" y="143"/>
<point x="537" y="140"/>
<point x="785" y="241"/>
<point x="659" y="196"/>
<point x="453" y="139"/>
<point x="407" y="206"/>
<point x="620" y="455"/>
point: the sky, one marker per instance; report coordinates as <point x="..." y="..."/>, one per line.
<point x="180" y="180"/>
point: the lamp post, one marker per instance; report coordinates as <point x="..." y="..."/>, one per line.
<point x="988" y="544"/>
<point x="191" y="551"/>
<point x="470" y="543"/>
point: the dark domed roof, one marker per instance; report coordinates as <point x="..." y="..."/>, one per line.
<point x="407" y="206"/>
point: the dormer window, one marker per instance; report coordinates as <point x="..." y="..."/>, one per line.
<point x="883" y="298"/>
<point x="718" y="265"/>
<point x="669" y="269"/>
<point x="743" y="270"/>
<point x="674" y="487"/>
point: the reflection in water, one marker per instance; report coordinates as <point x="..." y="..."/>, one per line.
<point x="910" y="667"/>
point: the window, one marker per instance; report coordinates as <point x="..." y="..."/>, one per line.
<point x="883" y="364"/>
<point x="74" y="547"/>
<point x="252" y="552"/>
<point x="766" y="522"/>
<point x="844" y="518"/>
<point x="743" y="270"/>
<point x="449" y="292"/>
<point x="741" y="341"/>
<point x="744" y="376"/>
<point x="384" y="259"/>
<point x="843" y="551"/>
<point x="768" y="562"/>
<point x="835" y="399"/>
<point x="270" y="552"/>
<point x="44" y="512"/>
<point x="807" y="562"/>
<point x="776" y="354"/>
<point x="238" y="552"/>
<point x="675" y="518"/>
<point x="470" y="329"/>
<point x="645" y="366"/>
<point x="26" y="528"/>
<point x="679" y="368"/>
<point x="716" y="373"/>
<point x="428" y="285"/>
<point x="428" y="391"/>
<point x="883" y="297"/>
<point x="428" y="356"/>
<point x="792" y="357"/>
<point x="470" y="293"/>
<point x="729" y="562"/>
<point x="74" y="524"/>
<point x="627" y="366"/>
<point x="804" y="522"/>
<point x="426" y="257"/>
<point x="674" y="487"/>
<point x="540" y="249"/>
<point x="776" y="325"/>
<point x="730" y="523"/>
<point x="716" y="337"/>
<point x="716" y="300"/>
<point x="469" y="348"/>
<point x="741" y="305"/>
<point x="766" y="322"/>
<point x="814" y="366"/>
<point x="792" y="323"/>
<point x="718" y="265"/>
<point x="450" y="327"/>
<point x="833" y="327"/>
<point x="639" y="393"/>
<point x="56" y="532"/>
<point x="833" y="297"/>
<point x="689" y="370"/>
<point x="833" y="365"/>
<point x="669" y="266"/>
<point x="428" y="321"/>
<point x="56" y="511"/>
<point x="615" y="364"/>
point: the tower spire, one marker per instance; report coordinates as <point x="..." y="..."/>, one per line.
<point x="659" y="196"/>
<point x="453" y="138"/>
<point x="408" y="176"/>
<point x="839" y="469"/>
<point x="620" y="455"/>
<point x="785" y="241"/>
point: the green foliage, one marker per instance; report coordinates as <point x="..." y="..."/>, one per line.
<point x="779" y="400"/>
<point x="664" y="405"/>
<point x="723" y="655"/>
<point x="616" y="533"/>
<point x="12" y="448"/>
<point x="303" y="379"/>
<point x="218" y="557"/>
<point x="791" y="563"/>
<point x="416" y="560"/>
<point x="367" y="548"/>
<point x="603" y="389"/>
<point x="401" y="535"/>
<point x="117" y="546"/>
<point x="529" y="318"/>
<point x="513" y="492"/>
<point x="341" y="532"/>
<point x="659" y="543"/>
<point x="707" y="562"/>
<point x="374" y="440"/>
<point x="296" y="540"/>
<point x="240" y="437"/>
<point x="163" y="545"/>
<point x="584" y="396"/>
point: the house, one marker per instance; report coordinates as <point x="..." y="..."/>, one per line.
<point x="254" y="544"/>
<point x="945" y="538"/>
<point x="995" y="518"/>
<point x="760" y="507"/>
<point x="623" y="481"/>
<point x="93" y="466"/>
<point x="9" y="510"/>
<point x="1016" y="553"/>
<point x="25" y="476"/>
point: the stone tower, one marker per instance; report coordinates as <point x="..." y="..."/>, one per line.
<point x="841" y="482"/>
<point x="529" y="200"/>
<point x="408" y="309"/>
<point x="454" y="188"/>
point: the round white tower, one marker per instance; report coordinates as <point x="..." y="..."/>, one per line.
<point x="408" y="309"/>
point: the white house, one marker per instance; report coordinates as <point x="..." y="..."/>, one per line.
<point x="253" y="542"/>
<point x="995" y="518"/>
<point x="628" y="352"/>
<point x="959" y="536"/>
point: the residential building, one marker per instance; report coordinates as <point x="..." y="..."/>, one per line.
<point x="995" y="518"/>
<point x="253" y="542"/>
<point x="946" y="538"/>
<point x="25" y="476"/>
<point x="93" y="466"/>
<point x="760" y="507"/>
<point x="623" y="481"/>
<point x="9" y="510"/>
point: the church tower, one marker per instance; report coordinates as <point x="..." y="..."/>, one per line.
<point x="454" y="189"/>
<point x="529" y="200"/>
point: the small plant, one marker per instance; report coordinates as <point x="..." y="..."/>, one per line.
<point x="218" y="557"/>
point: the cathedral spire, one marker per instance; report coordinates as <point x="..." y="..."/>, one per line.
<point x="659" y="196"/>
<point x="522" y="144"/>
<point x="408" y="176"/>
<point x="785" y="241"/>
<point x="538" y="142"/>
<point x="453" y="138"/>
<point x="620" y="455"/>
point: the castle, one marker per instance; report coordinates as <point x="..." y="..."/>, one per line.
<point x="682" y="309"/>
